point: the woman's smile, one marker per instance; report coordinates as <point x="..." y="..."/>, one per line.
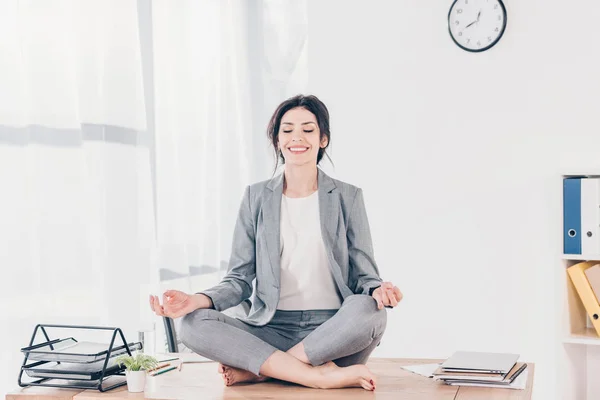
<point x="298" y="149"/>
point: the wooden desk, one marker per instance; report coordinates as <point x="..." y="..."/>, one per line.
<point x="202" y="379"/>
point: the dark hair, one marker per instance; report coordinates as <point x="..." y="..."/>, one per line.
<point x="310" y="103"/>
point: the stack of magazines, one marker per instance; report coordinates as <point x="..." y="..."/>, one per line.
<point x="465" y="368"/>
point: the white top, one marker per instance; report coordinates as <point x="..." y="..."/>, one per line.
<point x="306" y="281"/>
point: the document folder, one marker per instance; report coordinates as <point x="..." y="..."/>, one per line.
<point x="593" y="276"/>
<point x="572" y="216"/>
<point x="585" y="292"/>
<point x="590" y="216"/>
<point x="581" y="216"/>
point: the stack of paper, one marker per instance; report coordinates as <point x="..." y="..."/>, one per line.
<point x="465" y="368"/>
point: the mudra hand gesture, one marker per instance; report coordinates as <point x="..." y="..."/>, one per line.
<point x="177" y="304"/>
<point x="387" y="295"/>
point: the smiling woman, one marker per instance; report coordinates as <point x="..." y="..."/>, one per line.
<point x="299" y="130"/>
<point x="302" y="261"/>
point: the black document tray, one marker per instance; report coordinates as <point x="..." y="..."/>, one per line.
<point x="107" y="383"/>
<point x="88" y="371"/>
<point x="68" y="363"/>
<point x="70" y="350"/>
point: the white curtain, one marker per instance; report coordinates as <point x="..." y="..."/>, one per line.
<point x="77" y="231"/>
<point x="76" y="203"/>
<point x="70" y="61"/>
<point x="128" y="130"/>
<point x="220" y="68"/>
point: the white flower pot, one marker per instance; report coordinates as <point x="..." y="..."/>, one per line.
<point x="136" y="381"/>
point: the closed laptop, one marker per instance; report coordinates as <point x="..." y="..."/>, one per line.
<point x="480" y="361"/>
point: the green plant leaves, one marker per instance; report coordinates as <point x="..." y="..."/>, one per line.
<point x="141" y="362"/>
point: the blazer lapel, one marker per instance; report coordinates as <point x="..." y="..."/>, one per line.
<point x="271" y="216"/>
<point x="328" y="209"/>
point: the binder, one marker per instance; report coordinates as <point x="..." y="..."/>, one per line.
<point x="585" y="291"/>
<point x="581" y="216"/>
<point x="593" y="276"/>
<point x="572" y="216"/>
<point x="590" y="216"/>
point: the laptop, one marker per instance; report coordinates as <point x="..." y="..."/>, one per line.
<point x="473" y="361"/>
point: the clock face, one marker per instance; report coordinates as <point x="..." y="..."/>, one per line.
<point x="476" y="25"/>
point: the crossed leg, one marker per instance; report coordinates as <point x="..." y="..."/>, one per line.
<point x="347" y="338"/>
<point x="249" y="353"/>
<point x="339" y="339"/>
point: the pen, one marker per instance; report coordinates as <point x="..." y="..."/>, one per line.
<point x="163" y="371"/>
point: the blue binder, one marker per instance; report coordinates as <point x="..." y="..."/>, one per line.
<point x="572" y="215"/>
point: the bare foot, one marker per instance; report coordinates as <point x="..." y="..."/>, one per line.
<point x="232" y="375"/>
<point x="333" y="377"/>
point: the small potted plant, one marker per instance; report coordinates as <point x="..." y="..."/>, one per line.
<point x="135" y="370"/>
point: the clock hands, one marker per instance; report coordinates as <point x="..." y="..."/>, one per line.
<point x="476" y="21"/>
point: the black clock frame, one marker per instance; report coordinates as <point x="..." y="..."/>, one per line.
<point x="483" y="48"/>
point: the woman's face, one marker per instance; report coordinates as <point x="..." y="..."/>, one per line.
<point x="299" y="136"/>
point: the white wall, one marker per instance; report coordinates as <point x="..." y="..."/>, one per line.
<point x="459" y="156"/>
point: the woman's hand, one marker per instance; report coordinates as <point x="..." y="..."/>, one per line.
<point x="387" y="295"/>
<point x="177" y="304"/>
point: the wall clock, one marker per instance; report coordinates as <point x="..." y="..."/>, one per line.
<point x="476" y="25"/>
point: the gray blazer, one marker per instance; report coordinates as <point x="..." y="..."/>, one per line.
<point x="256" y="243"/>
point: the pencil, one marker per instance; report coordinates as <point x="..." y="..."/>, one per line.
<point x="159" y="367"/>
<point x="170" y="359"/>
<point x="163" y="371"/>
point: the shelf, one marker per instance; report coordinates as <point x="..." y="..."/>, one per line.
<point x="587" y="337"/>
<point x="582" y="257"/>
<point x="588" y="174"/>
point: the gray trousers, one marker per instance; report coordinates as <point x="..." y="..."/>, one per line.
<point x="346" y="336"/>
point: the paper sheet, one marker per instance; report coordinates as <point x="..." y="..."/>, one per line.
<point x="425" y="370"/>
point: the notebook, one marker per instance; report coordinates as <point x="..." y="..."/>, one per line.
<point x="446" y="376"/>
<point x="519" y="383"/>
<point x="472" y="361"/>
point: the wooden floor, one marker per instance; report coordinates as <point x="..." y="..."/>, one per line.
<point x="201" y="381"/>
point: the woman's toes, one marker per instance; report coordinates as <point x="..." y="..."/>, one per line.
<point x="225" y="376"/>
<point x="365" y="384"/>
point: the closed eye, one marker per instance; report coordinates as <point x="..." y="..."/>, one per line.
<point x="304" y="131"/>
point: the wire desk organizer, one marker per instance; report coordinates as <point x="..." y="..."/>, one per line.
<point x="68" y="363"/>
